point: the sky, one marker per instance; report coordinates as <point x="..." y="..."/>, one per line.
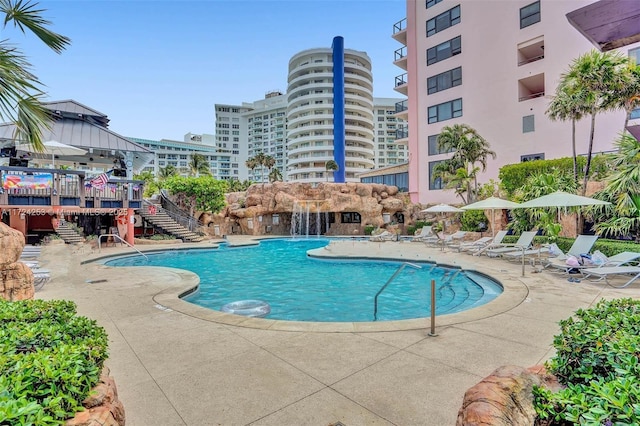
<point x="157" y="68"/>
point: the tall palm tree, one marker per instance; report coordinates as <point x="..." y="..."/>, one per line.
<point x="268" y="162"/>
<point x="275" y="175"/>
<point x="21" y="90"/>
<point x="469" y="149"/>
<point x="332" y="166"/>
<point x="165" y="173"/>
<point x="566" y="105"/>
<point x="599" y="77"/>
<point x="251" y="164"/>
<point x="199" y="165"/>
<point x="630" y="94"/>
<point x="260" y="157"/>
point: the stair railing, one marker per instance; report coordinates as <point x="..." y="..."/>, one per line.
<point x="172" y="209"/>
<point x="187" y="222"/>
<point x="375" y="299"/>
<point x="121" y="240"/>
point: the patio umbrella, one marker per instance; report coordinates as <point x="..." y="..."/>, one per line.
<point x="493" y="204"/>
<point x="561" y="199"/>
<point x="54" y="148"/>
<point x="441" y="208"/>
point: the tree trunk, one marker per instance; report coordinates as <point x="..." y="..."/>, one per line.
<point x="575" y="155"/>
<point x="589" y="152"/>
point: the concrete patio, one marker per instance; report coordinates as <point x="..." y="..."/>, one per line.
<point x="178" y="364"/>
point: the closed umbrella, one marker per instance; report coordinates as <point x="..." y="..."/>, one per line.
<point x="54" y="148"/>
<point x="493" y="204"/>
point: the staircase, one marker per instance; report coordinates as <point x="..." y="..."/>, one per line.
<point x="166" y="223"/>
<point x="68" y="234"/>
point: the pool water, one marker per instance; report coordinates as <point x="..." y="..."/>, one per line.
<point x="302" y="288"/>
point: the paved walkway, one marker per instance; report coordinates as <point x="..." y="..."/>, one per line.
<point x="177" y="364"/>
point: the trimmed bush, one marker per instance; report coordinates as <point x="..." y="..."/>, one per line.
<point x="597" y="359"/>
<point x="49" y="358"/>
<point x="471" y="219"/>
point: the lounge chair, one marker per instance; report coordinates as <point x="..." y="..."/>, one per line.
<point x="605" y="272"/>
<point x="621" y="259"/>
<point x="384" y="236"/>
<point x="475" y="244"/>
<point x="40" y="277"/>
<point x="581" y="245"/>
<point x="455" y="240"/>
<point x="496" y="242"/>
<point x="524" y="243"/>
<point x="425" y="232"/>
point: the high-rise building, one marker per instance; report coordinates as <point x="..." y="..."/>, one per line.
<point x="494" y="66"/>
<point x="388" y="128"/>
<point x="329" y="114"/>
<point x="231" y="131"/>
<point x="266" y="124"/>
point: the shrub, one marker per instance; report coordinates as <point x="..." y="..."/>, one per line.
<point x="597" y="359"/>
<point x="471" y="219"/>
<point x="161" y="237"/>
<point x="49" y="358"/>
<point x="368" y="229"/>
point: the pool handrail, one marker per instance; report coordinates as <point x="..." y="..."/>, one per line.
<point x="375" y="299"/>
<point x="121" y="240"/>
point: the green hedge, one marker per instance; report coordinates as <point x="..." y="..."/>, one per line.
<point x="597" y="359"/>
<point x="49" y="361"/>
<point x="513" y="176"/>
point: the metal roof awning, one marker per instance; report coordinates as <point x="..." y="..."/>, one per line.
<point x="608" y="24"/>
<point x="635" y="131"/>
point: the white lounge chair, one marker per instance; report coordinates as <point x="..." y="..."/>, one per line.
<point x="384" y="236"/>
<point x="524" y="243"/>
<point x="40" y="277"/>
<point x="581" y="245"/>
<point x="494" y="243"/>
<point x="621" y="259"/>
<point x="606" y="272"/>
<point x="425" y="232"/>
<point x="454" y="240"/>
<point x="475" y="244"/>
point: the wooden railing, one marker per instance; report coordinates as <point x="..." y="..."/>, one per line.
<point x="26" y="186"/>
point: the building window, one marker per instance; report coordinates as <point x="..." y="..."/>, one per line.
<point x="350" y="217"/>
<point x="445" y="80"/>
<point x="434" y="147"/>
<point x="444" y="50"/>
<point x="528" y="124"/>
<point x="530" y="14"/>
<point x="531" y="157"/>
<point x="434" y="182"/>
<point x="635" y="114"/>
<point x="445" y="111"/>
<point x="443" y="21"/>
<point x="431" y="3"/>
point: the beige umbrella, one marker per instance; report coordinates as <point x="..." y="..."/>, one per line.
<point x="561" y="199"/>
<point x="441" y="208"/>
<point x="493" y="204"/>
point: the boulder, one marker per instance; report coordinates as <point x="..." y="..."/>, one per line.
<point x="102" y="406"/>
<point x="505" y="398"/>
<point x="11" y="245"/>
<point x="16" y="282"/>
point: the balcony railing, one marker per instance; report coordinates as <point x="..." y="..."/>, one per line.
<point x="26" y="186"/>
<point x="400" y="53"/>
<point x="531" y="96"/>
<point x="401" y="79"/>
<point x="529" y="60"/>
<point x="402" y="133"/>
<point x="401" y="106"/>
<point x="399" y="26"/>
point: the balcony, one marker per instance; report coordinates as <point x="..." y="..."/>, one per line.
<point x="401" y="84"/>
<point x="531" y="87"/>
<point x="400" y="31"/>
<point x="401" y="106"/>
<point x="44" y="188"/>
<point x="402" y="133"/>
<point x="531" y="51"/>
<point x="400" y="57"/>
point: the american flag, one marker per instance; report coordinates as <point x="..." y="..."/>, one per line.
<point x="99" y="181"/>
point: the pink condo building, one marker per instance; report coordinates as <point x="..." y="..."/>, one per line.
<point x="492" y="65"/>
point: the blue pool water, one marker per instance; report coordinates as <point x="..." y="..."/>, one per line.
<point x="302" y="288"/>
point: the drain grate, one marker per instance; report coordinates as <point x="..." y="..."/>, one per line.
<point x="95" y="281"/>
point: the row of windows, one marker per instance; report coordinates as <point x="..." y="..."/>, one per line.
<point x="445" y="111"/>
<point x="444" y="50"/>
<point x="443" y="21"/>
<point x="530" y="14"/>
<point x="431" y="3"/>
<point x="445" y="80"/>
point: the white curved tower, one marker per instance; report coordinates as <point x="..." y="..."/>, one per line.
<point x="316" y="115"/>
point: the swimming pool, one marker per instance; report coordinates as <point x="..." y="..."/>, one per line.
<point x="301" y="288"/>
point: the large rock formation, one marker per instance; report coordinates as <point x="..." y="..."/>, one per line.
<point x="102" y="406"/>
<point x="16" y="279"/>
<point x="505" y="398"/>
<point x="251" y="212"/>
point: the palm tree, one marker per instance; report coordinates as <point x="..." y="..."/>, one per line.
<point x="199" y="165"/>
<point x="275" y="175"/>
<point x="622" y="217"/>
<point x="567" y="105"/>
<point x="332" y="166"/>
<point x="251" y="164"/>
<point x="21" y="90"/>
<point x="165" y="173"/>
<point x="630" y="94"/>
<point x="260" y="157"/>
<point x="469" y="149"/>
<point x="268" y="162"/>
<point x="599" y="77"/>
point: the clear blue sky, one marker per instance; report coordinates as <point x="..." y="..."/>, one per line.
<point x="157" y="68"/>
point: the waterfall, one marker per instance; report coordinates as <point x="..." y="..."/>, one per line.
<point x="301" y="223"/>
